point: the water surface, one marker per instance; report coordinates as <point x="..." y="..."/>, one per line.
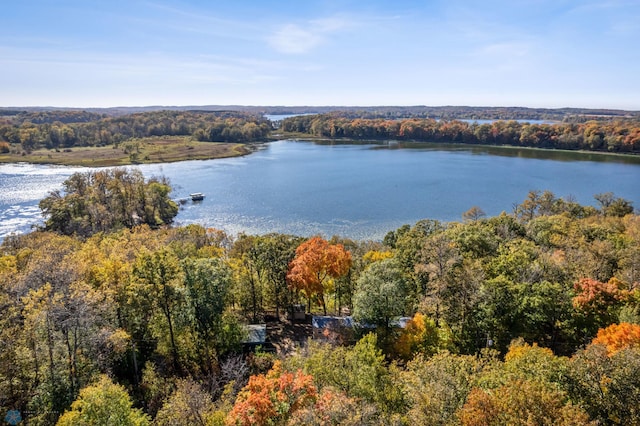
<point x="358" y="191"/>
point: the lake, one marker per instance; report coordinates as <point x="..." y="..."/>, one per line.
<point x="359" y="191"/>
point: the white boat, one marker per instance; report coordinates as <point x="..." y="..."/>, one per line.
<point x="197" y="196"/>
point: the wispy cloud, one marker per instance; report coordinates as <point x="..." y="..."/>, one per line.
<point x="296" y="39"/>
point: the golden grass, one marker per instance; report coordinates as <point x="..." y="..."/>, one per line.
<point x="135" y="151"/>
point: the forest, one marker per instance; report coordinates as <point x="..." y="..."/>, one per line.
<point x="112" y="315"/>
<point x="66" y="129"/>
<point x="572" y="129"/>
<point x="621" y="136"/>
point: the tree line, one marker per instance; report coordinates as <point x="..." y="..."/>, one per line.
<point x="66" y="129"/>
<point x="84" y="129"/>
<point x="528" y="317"/>
<point x="611" y="136"/>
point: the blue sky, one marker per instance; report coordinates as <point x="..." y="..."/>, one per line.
<point x="535" y="53"/>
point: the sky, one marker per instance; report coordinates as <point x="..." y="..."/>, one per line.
<point x="531" y="53"/>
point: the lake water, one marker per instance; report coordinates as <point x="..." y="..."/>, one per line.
<point x="358" y="191"/>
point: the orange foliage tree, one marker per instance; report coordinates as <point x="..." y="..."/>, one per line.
<point x="272" y="398"/>
<point x="315" y="264"/>
<point x="599" y="302"/>
<point x="617" y="337"/>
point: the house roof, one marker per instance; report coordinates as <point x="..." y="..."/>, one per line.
<point x="256" y="333"/>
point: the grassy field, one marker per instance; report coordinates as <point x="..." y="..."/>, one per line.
<point x="135" y="151"/>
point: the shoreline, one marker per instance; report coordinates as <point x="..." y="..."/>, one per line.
<point x="416" y="144"/>
<point x="155" y="150"/>
<point x="171" y="149"/>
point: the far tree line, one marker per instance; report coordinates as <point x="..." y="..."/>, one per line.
<point x="67" y="129"/>
<point x="612" y="136"/>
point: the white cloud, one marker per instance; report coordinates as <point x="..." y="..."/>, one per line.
<point x="294" y="39"/>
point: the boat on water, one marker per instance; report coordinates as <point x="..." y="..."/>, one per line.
<point x="197" y="196"/>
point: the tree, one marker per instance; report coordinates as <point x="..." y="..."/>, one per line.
<point x="207" y="283"/>
<point x="381" y="294"/>
<point x="103" y="404"/>
<point x="598" y="302"/>
<point x="440" y="258"/>
<point x="188" y="405"/>
<point x="437" y="387"/>
<point x="107" y="200"/>
<point x="521" y="403"/>
<point x="420" y="335"/>
<point x="315" y="264"/>
<point x="336" y="408"/>
<point x="159" y="277"/>
<point x="359" y="371"/>
<point x="272" y="255"/>
<point x="607" y="386"/>
<point x="272" y="398"/>
<point x="618" y="336"/>
<point x="474" y="214"/>
<point x="611" y="205"/>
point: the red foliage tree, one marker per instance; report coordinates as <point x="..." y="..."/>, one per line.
<point x="599" y="301"/>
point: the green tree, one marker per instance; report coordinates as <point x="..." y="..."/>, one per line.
<point x="107" y="200"/>
<point x="207" y="283"/>
<point x="160" y="279"/>
<point x="103" y="404"/>
<point x="381" y="294"/>
<point x="607" y="386"/>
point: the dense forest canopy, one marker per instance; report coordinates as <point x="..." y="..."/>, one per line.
<point x="527" y="317"/>
<point x="609" y="136"/>
<point x="36" y="130"/>
<point x="573" y="129"/>
<point x="107" y="200"/>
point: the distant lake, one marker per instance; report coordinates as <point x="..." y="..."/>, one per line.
<point x="360" y="191"/>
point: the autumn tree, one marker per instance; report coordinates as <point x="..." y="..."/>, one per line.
<point x="610" y="205"/>
<point x="272" y="398"/>
<point x="606" y="385"/>
<point x="521" y="403"/>
<point x="618" y="336"/>
<point x="598" y="303"/>
<point x="440" y="258"/>
<point x="474" y="214"/>
<point x="188" y="405"/>
<point x="315" y="265"/>
<point x="437" y="387"/>
<point x="360" y="371"/>
<point x="420" y="335"/>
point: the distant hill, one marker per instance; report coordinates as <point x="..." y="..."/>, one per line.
<point x="418" y="111"/>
